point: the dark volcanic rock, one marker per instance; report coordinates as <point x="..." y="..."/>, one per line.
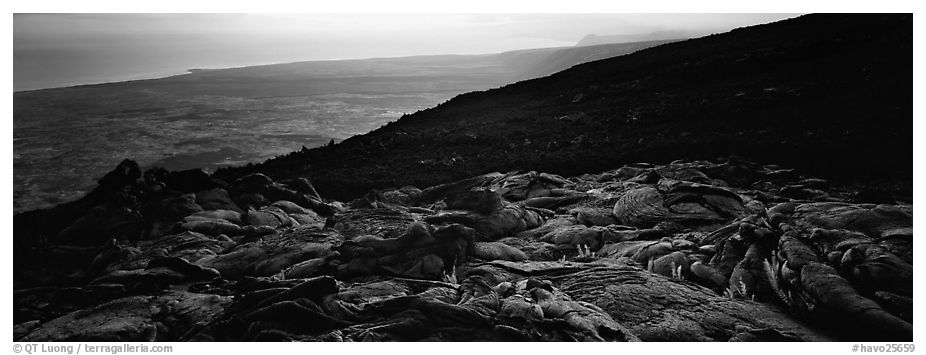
<point x="655" y="308"/>
<point x="216" y="199"/>
<point x="675" y="259"/>
<point x="102" y="223"/>
<point x="487" y="214"/>
<point x="876" y="221"/>
<point x="421" y="252"/>
<point x="379" y="222"/>
<point x="42" y="304"/>
<point x="166" y="209"/>
<point x="689" y="204"/>
<point x="126" y="173"/>
<point x="139" y="318"/>
<point x="255" y="185"/>
<point x="840" y="301"/>
<point x="192" y="180"/>
<point x="272" y="254"/>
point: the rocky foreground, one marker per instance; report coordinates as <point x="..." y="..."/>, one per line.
<point x="689" y="251"/>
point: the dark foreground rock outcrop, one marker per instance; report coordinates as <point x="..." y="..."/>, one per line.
<point x="686" y="251"/>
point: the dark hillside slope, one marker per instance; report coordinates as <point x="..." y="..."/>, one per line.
<point x="535" y="63"/>
<point x="829" y="93"/>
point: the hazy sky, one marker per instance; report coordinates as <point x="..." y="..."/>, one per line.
<point x="51" y="50"/>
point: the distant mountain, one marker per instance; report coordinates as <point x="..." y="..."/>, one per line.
<point x="593" y="40"/>
<point x="393" y="75"/>
<point x="830" y="94"/>
<point x="537" y="63"/>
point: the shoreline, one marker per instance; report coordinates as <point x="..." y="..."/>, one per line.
<point x="140" y="77"/>
<point x="201" y="69"/>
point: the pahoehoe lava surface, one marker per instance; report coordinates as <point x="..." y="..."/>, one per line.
<point x="525" y="213"/>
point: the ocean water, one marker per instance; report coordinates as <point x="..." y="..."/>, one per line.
<point x="66" y="139"/>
